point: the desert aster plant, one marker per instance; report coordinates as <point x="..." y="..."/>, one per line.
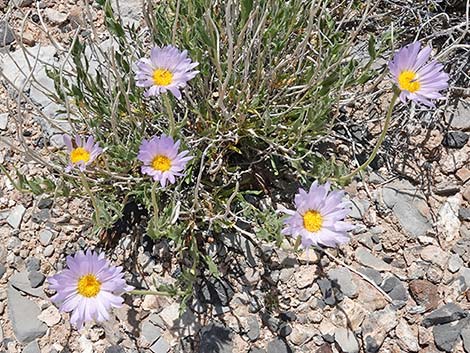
<point x="162" y="160"/>
<point x="168" y="69"/>
<point x="88" y="288"/>
<point x="319" y="217"/>
<point x="83" y="154"/>
<point x="417" y="80"/>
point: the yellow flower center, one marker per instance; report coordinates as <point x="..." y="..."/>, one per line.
<point x="408" y="82"/>
<point x="162" y="77"/>
<point x="313" y="221"/>
<point x="88" y="286"/>
<point x="161" y="163"/>
<point x="79" y="154"/>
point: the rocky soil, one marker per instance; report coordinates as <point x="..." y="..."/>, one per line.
<point x="412" y="241"/>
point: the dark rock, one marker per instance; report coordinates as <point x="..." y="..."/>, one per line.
<point x="287" y="316"/>
<point x="36" y="278"/>
<point x="216" y="338"/>
<point x="41" y="216"/>
<point x="372" y="274"/>
<point x="371" y="345"/>
<point x="464" y="214"/>
<point x="324" y="348"/>
<point x="328" y="337"/>
<point x="455" y="139"/>
<point x="216" y="291"/>
<point x="448" y="313"/>
<point x="271" y="322"/>
<point x="6" y="34"/>
<point x="45" y="203"/>
<point x="395" y="289"/>
<point x="447" y="335"/>
<point x="279" y="346"/>
<point x="284" y="330"/>
<point x="326" y="291"/>
<point x="257" y="350"/>
<point x="424" y="293"/>
<point x="446" y="189"/>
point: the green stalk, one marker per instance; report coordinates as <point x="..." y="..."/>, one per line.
<point x="381" y="139"/>
<point x="93" y="199"/>
<point x="171" y="117"/>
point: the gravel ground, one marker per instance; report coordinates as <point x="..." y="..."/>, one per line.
<point x="412" y="241"/>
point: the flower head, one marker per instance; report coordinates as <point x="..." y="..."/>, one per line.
<point x="319" y="216"/>
<point x="88" y="288"/>
<point x="161" y="159"/>
<point x="84" y="152"/>
<point x="417" y="80"/>
<point x="168" y="69"/>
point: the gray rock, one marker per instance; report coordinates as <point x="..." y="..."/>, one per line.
<point x="256" y="350"/>
<point x="45" y="237"/>
<point x="408" y="339"/>
<point x="2" y="270"/>
<point x="278" y="346"/>
<point x="464" y="214"/>
<point x="458" y="118"/>
<point x="16" y="216"/>
<point x="48" y="251"/>
<point x="150" y="331"/>
<point x="365" y="257"/>
<point x="455" y="139"/>
<point x="3" y="121"/>
<point x="253" y="329"/>
<point x="216" y="338"/>
<point x="161" y="346"/>
<point x="130" y="10"/>
<point x="32" y="347"/>
<point x="346" y="340"/>
<point x="448" y="313"/>
<point x="455" y="263"/>
<point x="22" y="3"/>
<point x="376" y="327"/>
<point x="359" y="208"/>
<point x="447" y="335"/>
<point x="326" y="291"/>
<point x="372" y="274"/>
<point x="6" y="34"/>
<point x="23" y="314"/>
<point x="409" y="206"/>
<point x="343" y="278"/>
<point x="33" y="264"/>
<point x="36" y="278"/>
<point x="20" y="281"/>
<point x="465" y="334"/>
<point x="115" y="349"/>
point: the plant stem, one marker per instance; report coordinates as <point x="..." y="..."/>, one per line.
<point x="169" y="111"/>
<point x="151" y="292"/>
<point x="381" y="139"/>
<point x="92" y="197"/>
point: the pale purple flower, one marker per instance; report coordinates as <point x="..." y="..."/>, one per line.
<point x="417" y="80"/>
<point x="168" y="69"/>
<point x="161" y="159"/>
<point x="319" y="217"/>
<point x="83" y="153"/>
<point x="88" y="288"/>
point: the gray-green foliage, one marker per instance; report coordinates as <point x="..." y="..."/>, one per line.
<point x="271" y="75"/>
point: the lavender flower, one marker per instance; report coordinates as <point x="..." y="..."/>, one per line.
<point x="319" y="216"/>
<point x="88" y="288"/>
<point x="83" y="154"/>
<point x="418" y="81"/>
<point x="168" y="69"/>
<point x="161" y="159"/>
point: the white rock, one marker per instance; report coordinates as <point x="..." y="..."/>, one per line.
<point x="448" y="223"/>
<point x="407" y="338"/>
<point x="50" y="316"/>
<point x="455" y="262"/>
<point x="54" y="16"/>
<point x="85" y="344"/>
<point x="3" y="121"/>
<point x="435" y="255"/>
<point x="346" y="340"/>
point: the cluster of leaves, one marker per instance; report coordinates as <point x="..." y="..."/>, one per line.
<point x="271" y="75"/>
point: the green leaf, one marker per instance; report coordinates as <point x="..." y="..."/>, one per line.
<point x="371" y="47"/>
